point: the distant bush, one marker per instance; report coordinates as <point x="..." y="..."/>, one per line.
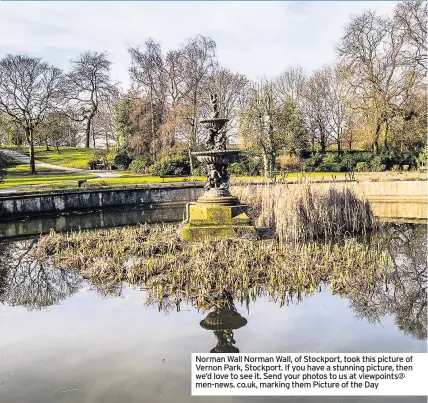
<point x="122" y="161"/>
<point x="139" y="165"/>
<point x="171" y="165"/>
<point x="200" y="171"/>
<point x="329" y="167"/>
<point x="377" y="164"/>
<point x="311" y="163"/>
<point x="362" y="167"/>
<point x="421" y="159"/>
<point x="290" y="162"/>
<point x="251" y="166"/>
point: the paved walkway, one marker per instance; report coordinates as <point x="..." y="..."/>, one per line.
<point x="24" y="159"/>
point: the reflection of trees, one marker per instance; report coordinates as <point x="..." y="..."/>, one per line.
<point x="25" y="282"/>
<point x="404" y="293"/>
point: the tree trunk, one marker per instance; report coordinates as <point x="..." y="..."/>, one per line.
<point x="30" y="139"/>
<point x="375" y="147"/>
<point x="191" y="161"/>
<point x="88" y="131"/>
<point x="385" y="142"/>
<point x="339" y="150"/>
<point x="322" y="144"/>
<point x="93" y="137"/>
<point x="265" y="165"/>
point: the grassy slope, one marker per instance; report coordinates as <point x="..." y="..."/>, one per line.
<point x="69" y="156"/>
<point x="72" y="157"/>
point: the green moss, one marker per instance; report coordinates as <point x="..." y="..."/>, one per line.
<point x="211" y="232"/>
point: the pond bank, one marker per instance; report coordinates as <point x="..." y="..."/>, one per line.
<point x="58" y="202"/>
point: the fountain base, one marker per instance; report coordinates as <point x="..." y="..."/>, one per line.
<point x="217" y="218"/>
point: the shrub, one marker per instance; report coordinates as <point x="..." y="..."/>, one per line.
<point x="122" y="161"/>
<point x="377" y="164"/>
<point x="290" y="162"/>
<point x="329" y="167"/>
<point x="200" y="171"/>
<point x="171" y="165"/>
<point x="362" y="167"/>
<point x="421" y="160"/>
<point x="249" y="166"/>
<point x="331" y="158"/>
<point x="313" y="162"/>
<point x="139" y="165"/>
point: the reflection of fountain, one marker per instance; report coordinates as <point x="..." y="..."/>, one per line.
<point x="217" y="214"/>
<point x="223" y="321"/>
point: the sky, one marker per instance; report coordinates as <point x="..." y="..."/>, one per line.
<point x="258" y="39"/>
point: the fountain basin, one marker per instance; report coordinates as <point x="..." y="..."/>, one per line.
<point x="214" y="123"/>
<point x="222" y="157"/>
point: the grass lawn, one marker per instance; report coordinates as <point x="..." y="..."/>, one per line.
<point x="24" y="168"/>
<point x="135" y="180"/>
<point x="69" y="156"/>
<point x="17" y="179"/>
<point x="72" y="157"/>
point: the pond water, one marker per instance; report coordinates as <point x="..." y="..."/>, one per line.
<point x="62" y="341"/>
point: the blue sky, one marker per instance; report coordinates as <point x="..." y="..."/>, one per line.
<point x="259" y="39"/>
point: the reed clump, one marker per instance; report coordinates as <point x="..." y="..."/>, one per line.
<point x="301" y="212"/>
<point x="167" y="266"/>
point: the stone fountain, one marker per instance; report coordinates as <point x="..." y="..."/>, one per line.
<point x="216" y="214"/>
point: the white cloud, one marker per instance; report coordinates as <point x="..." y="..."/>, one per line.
<point x="254" y="38"/>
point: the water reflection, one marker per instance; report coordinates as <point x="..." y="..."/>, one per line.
<point x="25" y="282"/>
<point x="404" y="294"/>
<point x="88" y="349"/>
<point x="107" y="218"/>
<point x="223" y="320"/>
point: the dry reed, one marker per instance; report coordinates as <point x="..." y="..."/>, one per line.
<point x="306" y="211"/>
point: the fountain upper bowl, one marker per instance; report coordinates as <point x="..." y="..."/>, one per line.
<point x="219" y="157"/>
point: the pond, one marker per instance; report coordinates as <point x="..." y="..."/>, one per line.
<point x="62" y="340"/>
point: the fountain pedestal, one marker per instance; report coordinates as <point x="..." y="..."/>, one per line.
<point x="217" y="214"/>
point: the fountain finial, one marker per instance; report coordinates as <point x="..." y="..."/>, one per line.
<point x="215" y="113"/>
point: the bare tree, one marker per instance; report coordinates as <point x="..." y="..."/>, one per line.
<point x="268" y="125"/>
<point x="290" y="85"/>
<point x="412" y="17"/>
<point x="148" y="72"/>
<point x="89" y="86"/>
<point x="199" y="62"/>
<point x="374" y="52"/>
<point x="316" y="109"/>
<point x="29" y="90"/>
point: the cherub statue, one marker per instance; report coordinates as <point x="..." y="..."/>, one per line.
<point x="210" y="143"/>
<point x="221" y="140"/>
<point x="214" y="177"/>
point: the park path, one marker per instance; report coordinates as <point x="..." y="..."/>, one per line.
<point x="24" y="159"/>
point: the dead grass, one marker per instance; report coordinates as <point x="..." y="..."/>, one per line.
<point x="306" y="212"/>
